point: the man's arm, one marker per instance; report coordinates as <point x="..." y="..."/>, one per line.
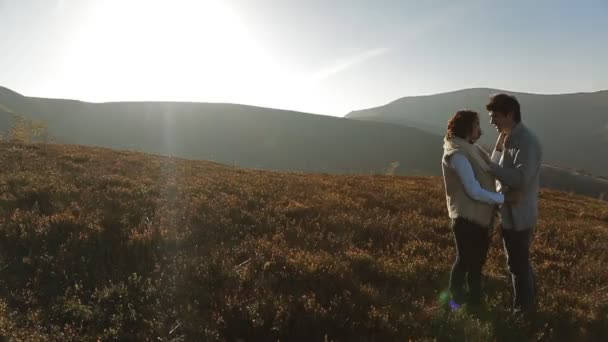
<point x="525" y="166"/>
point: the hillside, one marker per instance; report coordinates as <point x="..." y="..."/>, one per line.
<point x="238" y="135"/>
<point x="256" y="137"/>
<point x="103" y="244"/>
<point x="573" y="181"/>
<point x="571" y="127"/>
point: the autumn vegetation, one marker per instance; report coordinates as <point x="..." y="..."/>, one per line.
<point x="99" y="244"/>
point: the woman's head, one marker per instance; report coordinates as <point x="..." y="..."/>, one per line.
<point x="464" y="124"/>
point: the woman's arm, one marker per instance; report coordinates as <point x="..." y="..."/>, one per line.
<point x="463" y="168"/>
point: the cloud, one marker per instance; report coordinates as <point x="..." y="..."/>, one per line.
<point x="415" y="31"/>
<point x="348" y="63"/>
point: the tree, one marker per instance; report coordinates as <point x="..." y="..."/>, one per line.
<point x="40" y="130"/>
<point x="20" y="130"/>
<point x="392" y="168"/>
<point x="24" y="130"/>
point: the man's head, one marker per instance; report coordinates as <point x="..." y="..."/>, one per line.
<point x="464" y="124"/>
<point x="504" y="112"/>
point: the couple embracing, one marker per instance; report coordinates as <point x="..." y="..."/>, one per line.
<point x="481" y="188"/>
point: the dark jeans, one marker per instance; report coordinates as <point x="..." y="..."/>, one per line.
<point x="472" y="243"/>
<point x="517" y="247"/>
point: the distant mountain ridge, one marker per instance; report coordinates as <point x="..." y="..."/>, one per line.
<point x="256" y="137"/>
<point x="235" y="134"/>
<point x="571" y="127"/>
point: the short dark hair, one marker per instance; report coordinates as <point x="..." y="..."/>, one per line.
<point x="505" y="104"/>
<point x="461" y="123"/>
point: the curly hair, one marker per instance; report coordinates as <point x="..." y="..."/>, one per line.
<point x="461" y="123"/>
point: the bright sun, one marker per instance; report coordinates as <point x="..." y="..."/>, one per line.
<point x="160" y="49"/>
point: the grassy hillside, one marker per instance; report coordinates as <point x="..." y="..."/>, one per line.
<point x="239" y="135"/>
<point x="256" y="137"/>
<point x="571" y="127"/>
<point x="572" y="181"/>
<point x="101" y="244"/>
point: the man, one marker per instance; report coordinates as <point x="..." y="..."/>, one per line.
<point x="518" y="154"/>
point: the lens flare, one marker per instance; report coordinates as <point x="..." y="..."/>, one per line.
<point x="453" y="305"/>
<point x="444" y="296"/>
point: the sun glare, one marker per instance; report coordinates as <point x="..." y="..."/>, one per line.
<point x="176" y="50"/>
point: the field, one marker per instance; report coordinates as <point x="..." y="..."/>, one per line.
<point x="97" y="244"/>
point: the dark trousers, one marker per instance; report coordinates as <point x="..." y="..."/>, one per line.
<point x="472" y="243"/>
<point x="517" y="248"/>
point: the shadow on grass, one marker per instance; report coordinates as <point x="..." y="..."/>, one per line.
<point x="495" y="321"/>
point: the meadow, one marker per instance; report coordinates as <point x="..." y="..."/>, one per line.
<point x="99" y="244"/>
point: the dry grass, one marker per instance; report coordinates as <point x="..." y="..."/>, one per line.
<point x="109" y="245"/>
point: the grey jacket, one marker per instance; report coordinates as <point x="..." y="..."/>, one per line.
<point x="519" y="169"/>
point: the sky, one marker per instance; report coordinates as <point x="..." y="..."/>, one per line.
<point x="319" y="56"/>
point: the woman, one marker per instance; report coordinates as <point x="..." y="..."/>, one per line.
<point x="471" y="200"/>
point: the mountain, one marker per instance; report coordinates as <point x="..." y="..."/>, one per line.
<point x="99" y="244"/>
<point x="572" y="181"/>
<point x="573" y="128"/>
<point x="236" y="134"/>
<point x="256" y="137"/>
